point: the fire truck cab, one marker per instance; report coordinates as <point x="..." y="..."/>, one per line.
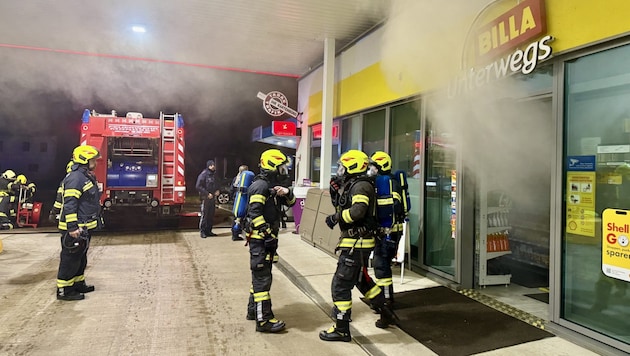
<point x="141" y="169"/>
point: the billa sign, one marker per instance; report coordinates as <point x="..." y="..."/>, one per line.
<point x="615" y="241"/>
<point x="521" y="24"/>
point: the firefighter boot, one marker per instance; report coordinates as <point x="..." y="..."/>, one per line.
<point x="338" y="332"/>
<point x="68" y="293"/>
<point x="270" y="326"/>
<point x="82" y="287"/>
<point x="388" y="317"/>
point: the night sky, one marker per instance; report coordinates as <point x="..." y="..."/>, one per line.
<point x="46" y="93"/>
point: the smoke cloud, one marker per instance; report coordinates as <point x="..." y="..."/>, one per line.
<point x="504" y="140"/>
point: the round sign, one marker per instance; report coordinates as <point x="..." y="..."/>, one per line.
<point x="274" y="97"/>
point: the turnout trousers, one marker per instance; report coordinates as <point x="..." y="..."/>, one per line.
<point x="261" y="256"/>
<point x="384" y="252"/>
<point x="352" y="271"/>
<point x="72" y="260"/>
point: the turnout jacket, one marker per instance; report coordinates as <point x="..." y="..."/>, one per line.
<point x="81" y="201"/>
<point x="264" y="209"/>
<point x="355" y="204"/>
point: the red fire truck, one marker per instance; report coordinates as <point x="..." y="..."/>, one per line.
<point x="141" y="169"/>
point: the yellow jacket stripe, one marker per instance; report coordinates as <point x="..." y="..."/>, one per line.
<point x="366" y="242"/>
<point x="72" y="193"/>
<point x="63" y="225"/>
<point x="360" y="198"/>
<point x="259" y="220"/>
<point x="257" y="198"/>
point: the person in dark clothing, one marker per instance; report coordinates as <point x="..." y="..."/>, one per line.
<point x="266" y="196"/>
<point x="353" y="195"/>
<point x="80" y="213"/>
<point x="208" y="188"/>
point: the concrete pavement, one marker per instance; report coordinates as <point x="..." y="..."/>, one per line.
<point x="173" y="293"/>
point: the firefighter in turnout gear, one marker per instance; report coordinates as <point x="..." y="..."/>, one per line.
<point x="80" y="214"/>
<point x="390" y="202"/>
<point x="266" y="197"/>
<point x="53" y="216"/>
<point x="353" y="196"/>
<point x="9" y="189"/>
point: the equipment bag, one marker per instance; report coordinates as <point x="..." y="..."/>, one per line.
<point x="401" y="176"/>
<point x="384" y="201"/>
<point x="241" y="200"/>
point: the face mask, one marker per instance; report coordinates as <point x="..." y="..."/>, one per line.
<point x="283" y="170"/>
<point x="341" y="170"/>
<point x="372" y="171"/>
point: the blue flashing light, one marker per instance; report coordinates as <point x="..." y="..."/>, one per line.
<point x="86" y="116"/>
<point x="180" y="120"/>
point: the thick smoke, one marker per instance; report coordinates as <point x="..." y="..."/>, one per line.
<point x="505" y="141"/>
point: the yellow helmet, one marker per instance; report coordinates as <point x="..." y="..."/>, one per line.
<point x="354" y="162"/>
<point x="382" y="160"/>
<point x="82" y="154"/>
<point x="271" y="159"/>
<point x="21" y="179"/>
<point x="8" y="174"/>
<point x="69" y="166"/>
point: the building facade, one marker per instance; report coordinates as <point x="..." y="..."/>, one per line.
<point x="512" y="121"/>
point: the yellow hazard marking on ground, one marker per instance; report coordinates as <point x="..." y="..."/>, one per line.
<point x="504" y="308"/>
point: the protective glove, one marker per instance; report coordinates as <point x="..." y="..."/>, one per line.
<point x="52" y="217"/>
<point x="335" y="184"/>
<point x="265" y="231"/>
<point x="332" y="220"/>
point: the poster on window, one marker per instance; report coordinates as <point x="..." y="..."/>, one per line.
<point x="615" y="241"/>
<point x="581" y="195"/>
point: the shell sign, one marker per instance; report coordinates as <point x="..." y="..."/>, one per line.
<point x="615" y="241"/>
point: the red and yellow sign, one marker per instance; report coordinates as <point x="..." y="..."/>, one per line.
<point x="522" y="23"/>
<point x="615" y="241"/>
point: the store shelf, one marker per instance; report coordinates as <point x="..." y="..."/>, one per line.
<point x="489" y="216"/>
<point x="491" y="255"/>
<point x="495" y="229"/>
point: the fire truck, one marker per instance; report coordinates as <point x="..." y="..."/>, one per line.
<point x="141" y="169"/>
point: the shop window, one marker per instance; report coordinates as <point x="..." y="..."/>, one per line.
<point x="374" y="131"/>
<point x="405" y="151"/>
<point x="596" y="172"/>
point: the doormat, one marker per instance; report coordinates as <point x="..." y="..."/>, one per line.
<point x="452" y="324"/>
<point x="543" y="297"/>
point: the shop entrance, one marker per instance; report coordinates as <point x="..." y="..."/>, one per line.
<point x="516" y="191"/>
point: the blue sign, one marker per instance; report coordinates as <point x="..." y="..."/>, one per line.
<point x="580" y="163"/>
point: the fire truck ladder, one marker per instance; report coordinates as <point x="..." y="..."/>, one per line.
<point x="168" y="127"/>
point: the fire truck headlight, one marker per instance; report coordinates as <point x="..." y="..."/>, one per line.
<point x="154" y="203"/>
<point x="107" y="203"/>
<point x="152" y="180"/>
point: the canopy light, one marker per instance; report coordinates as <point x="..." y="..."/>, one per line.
<point x="139" y="29"/>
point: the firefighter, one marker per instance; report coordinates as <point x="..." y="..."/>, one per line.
<point x="353" y="196"/>
<point x="266" y="196"/>
<point x="25" y="188"/>
<point x="6" y="181"/>
<point x="80" y="214"/>
<point x="208" y="189"/>
<point x="7" y="199"/>
<point x="53" y="216"/>
<point x="387" y="243"/>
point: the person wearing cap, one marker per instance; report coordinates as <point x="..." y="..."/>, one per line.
<point x="208" y="188"/>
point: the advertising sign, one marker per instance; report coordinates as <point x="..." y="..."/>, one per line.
<point x="283" y="128"/>
<point x="581" y="195"/>
<point x="615" y="241"/>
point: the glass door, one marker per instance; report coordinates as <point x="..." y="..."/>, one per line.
<point x="440" y="215"/>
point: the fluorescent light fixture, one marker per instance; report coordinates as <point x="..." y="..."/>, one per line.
<point x="139" y="29"/>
